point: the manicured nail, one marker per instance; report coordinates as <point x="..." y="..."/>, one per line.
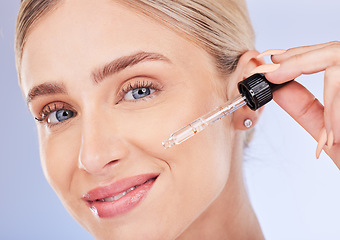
<point x="321" y="143"/>
<point x="271" y="52"/>
<point x="330" y="140"/>
<point x="266" y="68"/>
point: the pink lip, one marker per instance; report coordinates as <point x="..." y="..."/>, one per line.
<point x="113" y="208"/>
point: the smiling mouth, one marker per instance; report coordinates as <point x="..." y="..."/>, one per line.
<point x="122" y="194"/>
<point x="120" y="197"/>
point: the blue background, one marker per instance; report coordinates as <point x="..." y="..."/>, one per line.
<point x="294" y="195"/>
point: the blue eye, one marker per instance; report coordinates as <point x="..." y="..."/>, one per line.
<point x="59" y="116"/>
<point x="55" y="113"/>
<point x="138" y="93"/>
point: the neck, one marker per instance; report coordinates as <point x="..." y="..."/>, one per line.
<point x="231" y="215"/>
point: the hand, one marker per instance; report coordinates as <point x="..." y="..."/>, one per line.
<point x="321" y="122"/>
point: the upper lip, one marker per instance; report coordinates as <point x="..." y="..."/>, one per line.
<point x="117" y="187"/>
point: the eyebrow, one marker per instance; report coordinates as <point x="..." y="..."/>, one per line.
<point x="98" y="75"/>
<point x="124" y="62"/>
<point x="45" y="89"/>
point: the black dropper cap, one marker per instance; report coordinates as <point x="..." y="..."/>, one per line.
<point x="257" y="90"/>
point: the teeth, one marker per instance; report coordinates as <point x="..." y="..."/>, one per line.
<point x="115" y="198"/>
<point x="120" y="195"/>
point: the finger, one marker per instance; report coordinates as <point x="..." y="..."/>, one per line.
<point x="271" y="52"/>
<point x="334" y="154"/>
<point x="332" y="102"/>
<point x="330" y="140"/>
<point x="335" y="119"/>
<point x="265" y="68"/>
<point x="305" y="109"/>
<point x="302" y="106"/>
<point x="321" y="143"/>
<point x="300" y="50"/>
<point x="278" y="54"/>
<point x="306" y="63"/>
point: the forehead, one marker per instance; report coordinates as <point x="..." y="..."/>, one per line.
<point x="76" y="24"/>
<point x="81" y="34"/>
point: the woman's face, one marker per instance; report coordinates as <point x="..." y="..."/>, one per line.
<point x="108" y="86"/>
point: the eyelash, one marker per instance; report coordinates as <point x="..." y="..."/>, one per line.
<point x="50" y="108"/>
<point x="53" y="107"/>
<point x="138" y="84"/>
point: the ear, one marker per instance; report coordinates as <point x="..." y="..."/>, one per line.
<point x="246" y="64"/>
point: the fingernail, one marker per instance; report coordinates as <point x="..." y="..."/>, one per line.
<point x="321" y="143"/>
<point x="271" y="52"/>
<point x="330" y="140"/>
<point x="266" y="68"/>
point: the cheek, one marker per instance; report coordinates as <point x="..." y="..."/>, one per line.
<point x="59" y="158"/>
<point x="203" y="163"/>
<point x="209" y="149"/>
<point x="198" y="168"/>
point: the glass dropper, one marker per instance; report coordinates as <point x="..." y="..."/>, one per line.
<point x="202" y="122"/>
<point x="255" y="92"/>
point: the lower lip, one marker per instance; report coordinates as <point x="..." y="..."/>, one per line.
<point x="122" y="205"/>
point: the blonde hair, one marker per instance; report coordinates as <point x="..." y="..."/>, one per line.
<point x="221" y="27"/>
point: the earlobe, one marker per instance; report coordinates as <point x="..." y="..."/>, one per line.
<point x="245" y="118"/>
<point x="248" y="123"/>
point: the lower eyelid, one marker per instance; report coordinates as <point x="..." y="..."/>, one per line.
<point x="58" y="124"/>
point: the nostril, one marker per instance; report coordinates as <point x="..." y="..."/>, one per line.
<point x="112" y="163"/>
<point x="96" y="169"/>
<point x="100" y="150"/>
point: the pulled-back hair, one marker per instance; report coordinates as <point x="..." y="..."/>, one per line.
<point x="221" y="27"/>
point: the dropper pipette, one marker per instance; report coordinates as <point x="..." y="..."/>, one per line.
<point x="255" y="92"/>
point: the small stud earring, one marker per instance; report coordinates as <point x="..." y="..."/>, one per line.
<point x="247" y="123"/>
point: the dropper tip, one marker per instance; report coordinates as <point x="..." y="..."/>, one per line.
<point x="168" y="143"/>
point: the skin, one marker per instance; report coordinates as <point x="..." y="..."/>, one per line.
<point x="199" y="192"/>
<point x="321" y="122"/>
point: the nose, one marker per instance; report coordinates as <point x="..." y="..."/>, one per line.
<point x="101" y="145"/>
